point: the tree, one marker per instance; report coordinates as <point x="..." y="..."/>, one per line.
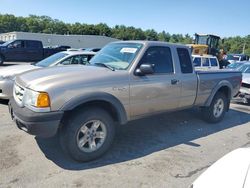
<point x="163" y="36"/>
<point x="45" y="24"/>
<point x="151" y="34"/>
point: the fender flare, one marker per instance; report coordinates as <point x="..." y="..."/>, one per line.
<point x="221" y="84"/>
<point x="100" y="96"/>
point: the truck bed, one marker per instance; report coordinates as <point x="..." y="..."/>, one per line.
<point x="209" y="81"/>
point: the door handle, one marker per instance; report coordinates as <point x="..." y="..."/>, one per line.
<point x="174" y="81"/>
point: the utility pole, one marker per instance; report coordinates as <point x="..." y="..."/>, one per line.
<point x="244" y="46"/>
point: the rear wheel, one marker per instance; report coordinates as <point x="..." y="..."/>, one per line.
<point x="216" y="111"/>
<point x="88" y="134"/>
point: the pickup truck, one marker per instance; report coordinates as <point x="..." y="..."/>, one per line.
<point x="125" y="81"/>
<point x="25" y="50"/>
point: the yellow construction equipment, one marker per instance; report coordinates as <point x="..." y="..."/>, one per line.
<point x="205" y="44"/>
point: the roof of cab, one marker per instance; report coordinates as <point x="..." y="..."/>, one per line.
<point x="205" y="55"/>
<point x="78" y="52"/>
<point x="146" y="42"/>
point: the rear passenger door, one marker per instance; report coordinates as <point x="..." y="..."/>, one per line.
<point x="189" y="79"/>
<point x="33" y="50"/>
<point x="159" y="91"/>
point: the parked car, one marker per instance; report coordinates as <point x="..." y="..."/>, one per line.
<point x="125" y="81"/>
<point x="8" y="74"/>
<point x="245" y="85"/>
<point x="1" y="42"/>
<point x="231" y="171"/>
<point x="205" y="62"/>
<point x="232" y="58"/>
<point x="236" y="65"/>
<point x="25" y="50"/>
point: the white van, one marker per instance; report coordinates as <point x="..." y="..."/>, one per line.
<point x="205" y="62"/>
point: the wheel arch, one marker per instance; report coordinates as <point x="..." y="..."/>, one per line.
<point x="224" y="87"/>
<point x="103" y="100"/>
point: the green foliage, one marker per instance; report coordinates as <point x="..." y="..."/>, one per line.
<point x="236" y="44"/>
<point x="45" y="24"/>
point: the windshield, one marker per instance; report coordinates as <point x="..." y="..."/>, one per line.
<point x="234" y="65"/>
<point x="51" y="59"/>
<point x="244" y="68"/>
<point x="202" y="39"/>
<point x="6" y="43"/>
<point x="117" y="55"/>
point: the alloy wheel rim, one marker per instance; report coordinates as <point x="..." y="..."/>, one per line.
<point x="218" y="108"/>
<point x="91" y="136"/>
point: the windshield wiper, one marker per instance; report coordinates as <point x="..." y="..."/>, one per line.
<point x="105" y="65"/>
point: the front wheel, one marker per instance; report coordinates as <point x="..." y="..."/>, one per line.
<point x="216" y="111"/>
<point x="89" y="134"/>
<point x="1" y="59"/>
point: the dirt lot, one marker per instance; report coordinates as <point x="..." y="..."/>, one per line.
<point x="165" y="151"/>
<point x="170" y="150"/>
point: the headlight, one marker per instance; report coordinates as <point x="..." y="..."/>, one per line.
<point x="37" y="101"/>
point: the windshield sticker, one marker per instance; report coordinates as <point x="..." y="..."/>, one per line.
<point x="128" y="50"/>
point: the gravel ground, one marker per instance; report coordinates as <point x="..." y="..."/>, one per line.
<point x="169" y="150"/>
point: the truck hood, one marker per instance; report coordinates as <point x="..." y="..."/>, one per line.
<point x="16" y="69"/>
<point x="246" y="78"/>
<point x="67" y="76"/>
<point x="232" y="170"/>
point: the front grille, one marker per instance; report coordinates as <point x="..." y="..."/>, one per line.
<point x="245" y="85"/>
<point x="18" y="94"/>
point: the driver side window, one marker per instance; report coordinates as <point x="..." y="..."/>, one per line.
<point x="67" y="61"/>
<point x="17" y="44"/>
<point x="73" y="60"/>
<point x="160" y="58"/>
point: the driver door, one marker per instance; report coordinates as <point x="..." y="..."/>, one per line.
<point x="16" y="51"/>
<point x="159" y="91"/>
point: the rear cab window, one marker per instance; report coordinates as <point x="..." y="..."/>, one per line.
<point x="185" y="60"/>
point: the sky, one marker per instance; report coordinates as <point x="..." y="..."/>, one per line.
<point x="221" y="17"/>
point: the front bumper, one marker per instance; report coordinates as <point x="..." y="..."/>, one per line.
<point x="6" y="89"/>
<point x="35" y="123"/>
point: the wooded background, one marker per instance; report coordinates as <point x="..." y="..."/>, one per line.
<point x="45" y="24"/>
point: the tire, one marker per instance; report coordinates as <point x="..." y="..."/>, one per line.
<point x="216" y="111"/>
<point x="1" y="60"/>
<point x="83" y="139"/>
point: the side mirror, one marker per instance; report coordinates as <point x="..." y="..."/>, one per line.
<point x="144" y="70"/>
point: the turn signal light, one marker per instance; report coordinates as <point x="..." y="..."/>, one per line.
<point x="43" y="100"/>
